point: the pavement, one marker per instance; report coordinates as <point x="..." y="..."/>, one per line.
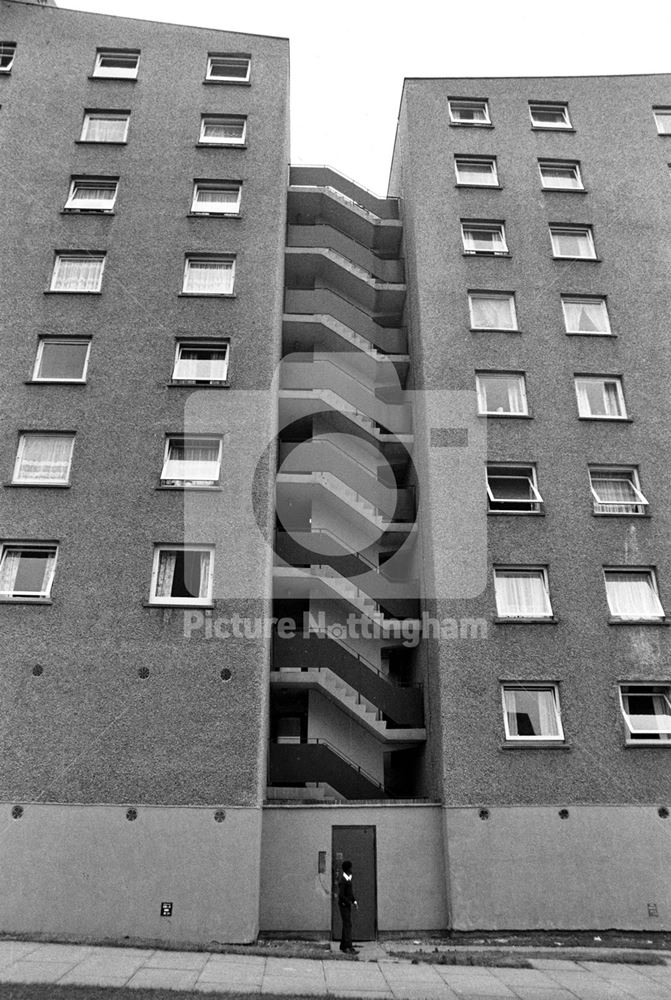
<point x="374" y="974"/>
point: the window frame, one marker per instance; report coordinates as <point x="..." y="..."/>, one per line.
<point x="663" y="110"/>
<point x="20" y="450"/>
<point x="61" y="340"/>
<point x="217" y="185"/>
<point x="461" y="159"/>
<point x="630" y="474"/>
<point x="535" y="504"/>
<point x="51" y="549"/>
<point x="205" y="344"/>
<point x="567" y="298"/>
<point x="204" y="258"/>
<point x="557" y="165"/>
<point x="186" y="484"/>
<point x="7" y="51"/>
<point x="559" y="228"/>
<point x="545" y="106"/>
<point x="200" y="601"/>
<point x="638" y="570"/>
<point x="91" y="114"/>
<point x="116" y="74"/>
<point x="453" y="104"/>
<point x="482" y="225"/>
<point x="528" y="686"/>
<point x="541" y="572"/>
<point x="636" y="688"/>
<point x="482" y="396"/>
<point x="232" y="56"/>
<point x="212" y="117"/>
<point x="604" y="379"/>
<point x="500" y="296"/>
<point x="90" y="181"/>
<point x="64" y="255"/>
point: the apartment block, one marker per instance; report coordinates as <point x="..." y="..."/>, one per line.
<point x="331" y="525"/>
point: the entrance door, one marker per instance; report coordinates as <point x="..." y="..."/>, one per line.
<point x="356" y="844"/>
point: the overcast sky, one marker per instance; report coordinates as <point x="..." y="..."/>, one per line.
<point x="349" y="57"/>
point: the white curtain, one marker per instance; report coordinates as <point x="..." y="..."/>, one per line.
<point x="503" y="395"/>
<point x="616" y="492"/>
<point x="597" y="398"/>
<point x="8" y="570"/>
<point x="196" y="364"/>
<point x="77" y="274"/>
<point x="44" y="458"/>
<point x="538" y="708"/>
<point x="521" y="595"/>
<point x="192" y="461"/>
<point x="166" y="573"/>
<point x="217" y="196"/>
<point x="631" y="595"/>
<point x="105" y="129"/>
<point x="206" y="276"/>
<point x="496" y="313"/>
<point x="204" y="574"/>
<point x="648" y="713"/>
<point x="476" y="173"/>
<point x="485" y="240"/>
<point x="586" y="317"/>
<point x="84" y="194"/>
<point x="234" y="130"/>
<point x="572" y="244"/>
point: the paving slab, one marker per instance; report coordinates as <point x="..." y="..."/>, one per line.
<point x="177" y="960"/>
<point x="96" y="966"/>
<point x="523" y="977"/>
<point x="423" y="992"/>
<point x="34" y="972"/>
<point x="76" y="978"/>
<point x="11" y="951"/>
<point x="164" y="979"/>
<point x="293" y="988"/>
<point x="541" y="993"/>
<point x="218" y="988"/>
<point x="480" y="986"/>
<point x="59" y="953"/>
<point x="411" y="974"/>
<point x="361" y="994"/>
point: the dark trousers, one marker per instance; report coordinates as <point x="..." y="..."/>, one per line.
<point x="346" y="917"/>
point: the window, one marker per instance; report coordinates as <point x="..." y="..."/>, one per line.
<point x="531" y="712"/>
<point x="575" y="242"/>
<point x="560" y="175"/>
<point x="209" y="275"/>
<point x="600" y="397"/>
<point x="27" y="570"/>
<point x="182" y="574"/>
<point x="484" y="237"/>
<point x="492" y="310"/>
<point x="201" y="363"/>
<point x="228" y="68"/>
<point x="44" y="459"/>
<point x="191" y="461"/>
<point x="662" y="120"/>
<point x="92" y="194"/>
<point x="479" y="171"/>
<point x="467" y="112"/>
<point x="646" y="710"/>
<point x="550" y="115"/>
<point x="632" y="594"/>
<point x="616" y="491"/>
<point x="216" y="197"/>
<point x="61" y="360"/>
<point x="522" y="592"/>
<point x="78" y="272"/>
<point x="223" y="130"/>
<point x="511" y="489"/>
<point x="501" y="393"/>
<point x="585" y="314"/>
<point x="118" y="64"/>
<point x="7" y="53"/>
<point x="105" y="126"/>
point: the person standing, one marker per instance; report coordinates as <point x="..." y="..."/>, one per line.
<point x="346" y="902"/>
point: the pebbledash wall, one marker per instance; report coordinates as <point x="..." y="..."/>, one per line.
<point x="108" y="704"/>
<point x="133" y="747"/>
<point x="573" y="832"/>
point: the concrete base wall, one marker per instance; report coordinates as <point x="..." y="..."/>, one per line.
<point x="410" y="870"/>
<point x="525" y="867"/>
<point x="87" y="872"/>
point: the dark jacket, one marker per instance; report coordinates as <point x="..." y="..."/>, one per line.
<point x="345" y="891"/>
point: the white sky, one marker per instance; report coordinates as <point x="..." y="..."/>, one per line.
<point x="349" y="57"/>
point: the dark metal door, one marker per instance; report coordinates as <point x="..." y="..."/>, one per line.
<point x="356" y="844"/>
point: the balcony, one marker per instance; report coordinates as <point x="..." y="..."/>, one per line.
<point x="317" y="267"/>
<point x="319" y="761"/>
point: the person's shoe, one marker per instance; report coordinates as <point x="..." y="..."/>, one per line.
<point x="352" y="951"/>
